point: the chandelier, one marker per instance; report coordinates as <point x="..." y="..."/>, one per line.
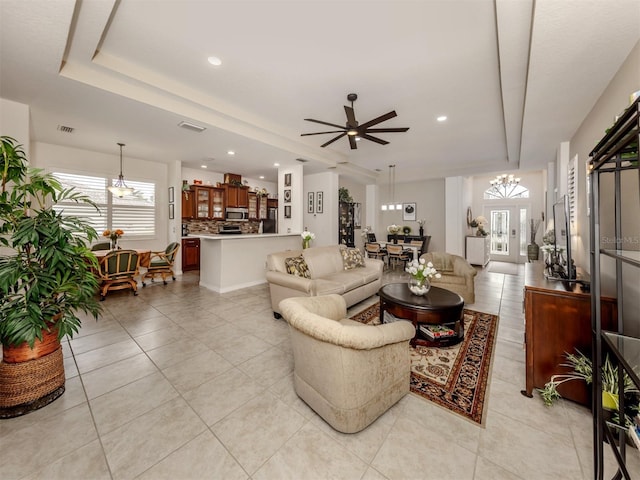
<point x="120" y="188"/>
<point x="504" y="186"/>
<point x="392" y="192"/>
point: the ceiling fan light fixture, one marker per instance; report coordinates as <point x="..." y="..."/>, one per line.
<point x="120" y="189"/>
<point x="352" y="132"/>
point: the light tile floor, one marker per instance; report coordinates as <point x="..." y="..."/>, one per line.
<point x="181" y="382"/>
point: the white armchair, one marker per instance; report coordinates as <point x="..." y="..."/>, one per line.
<point x="347" y="372"/>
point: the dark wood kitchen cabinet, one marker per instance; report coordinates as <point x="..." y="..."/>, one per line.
<point x="236" y="196"/>
<point x="558" y="321"/>
<point x="190" y="254"/>
<point x="188" y="204"/>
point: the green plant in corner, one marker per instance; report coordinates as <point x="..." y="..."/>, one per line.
<point x="583" y="370"/>
<point x="46" y="269"/>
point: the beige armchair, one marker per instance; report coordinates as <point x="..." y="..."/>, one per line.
<point x="457" y="275"/>
<point x="347" y="372"/>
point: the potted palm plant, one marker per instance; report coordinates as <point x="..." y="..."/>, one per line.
<point x="46" y="279"/>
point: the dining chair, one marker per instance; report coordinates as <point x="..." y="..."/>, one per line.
<point x="101" y="246"/>
<point x="118" y="270"/>
<point x="375" y="251"/>
<point x="397" y="254"/>
<point x="161" y="263"/>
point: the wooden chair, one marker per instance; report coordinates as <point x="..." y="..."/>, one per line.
<point x="161" y="263"/>
<point x="397" y="254"/>
<point x="118" y="270"/>
<point x="375" y="251"/>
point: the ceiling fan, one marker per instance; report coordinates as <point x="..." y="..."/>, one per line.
<point x="352" y="129"/>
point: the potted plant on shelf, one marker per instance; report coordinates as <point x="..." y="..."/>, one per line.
<point x="46" y="280"/>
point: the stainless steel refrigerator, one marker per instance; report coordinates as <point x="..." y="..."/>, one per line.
<point x="270" y="224"/>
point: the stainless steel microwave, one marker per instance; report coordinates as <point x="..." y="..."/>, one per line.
<point x="237" y="214"/>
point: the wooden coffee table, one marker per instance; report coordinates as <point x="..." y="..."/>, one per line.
<point x="437" y="307"/>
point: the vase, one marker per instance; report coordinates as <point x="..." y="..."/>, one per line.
<point x="533" y="252"/>
<point x="421" y="230"/>
<point x="419" y="286"/>
<point x="305" y="243"/>
<point x="395" y="238"/>
<point x="114" y="244"/>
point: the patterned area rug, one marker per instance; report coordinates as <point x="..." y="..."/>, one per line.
<point x="453" y="377"/>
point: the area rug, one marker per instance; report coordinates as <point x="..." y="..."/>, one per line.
<point x="455" y="377"/>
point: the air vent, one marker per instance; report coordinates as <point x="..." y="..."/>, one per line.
<point x="302" y="160"/>
<point x="191" y="126"/>
<point x="65" y="129"/>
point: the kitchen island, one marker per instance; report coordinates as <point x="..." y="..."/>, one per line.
<point x="231" y="262"/>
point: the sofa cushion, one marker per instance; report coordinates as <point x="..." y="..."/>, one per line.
<point x="297" y="266"/>
<point x="348" y="279"/>
<point x="351" y="258"/>
<point x="327" y="287"/>
<point x="323" y="261"/>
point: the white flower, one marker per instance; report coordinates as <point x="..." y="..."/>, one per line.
<point x="393" y="229"/>
<point x="307" y="235"/>
<point x="420" y="269"/>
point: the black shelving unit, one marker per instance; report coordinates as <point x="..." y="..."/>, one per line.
<point x="346" y="224"/>
<point x="615" y="156"/>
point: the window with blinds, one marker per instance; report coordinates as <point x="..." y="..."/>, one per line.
<point x="135" y="213"/>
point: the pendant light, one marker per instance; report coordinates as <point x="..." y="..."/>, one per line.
<point x="120" y="188"/>
<point x="392" y="192"/>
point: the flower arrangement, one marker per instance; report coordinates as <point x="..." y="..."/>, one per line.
<point x="422" y="222"/>
<point x="479" y="222"/>
<point x="113" y="235"/>
<point x="393" y="229"/>
<point x="421" y="272"/>
<point x="306" y="238"/>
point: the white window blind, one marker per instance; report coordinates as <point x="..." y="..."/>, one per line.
<point x="135" y="214"/>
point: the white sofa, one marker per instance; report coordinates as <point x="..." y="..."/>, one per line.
<point x="347" y="372"/>
<point x="327" y="275"/>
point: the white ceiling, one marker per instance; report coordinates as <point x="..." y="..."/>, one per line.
<point x="514" y="77"/>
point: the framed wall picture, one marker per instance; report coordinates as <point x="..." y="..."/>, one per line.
<point x="319" y="205"/>
<point x="310" y="202"/>
<point x="171" y="197"/>
<point x="287" y="211"/>
<point x="287" y="196"/>
<point x="287" y="179"/>
<point x="409" y="212"/>
<point x="172" y="211"/>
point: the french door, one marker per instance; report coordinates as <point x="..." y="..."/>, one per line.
<point x="508" y="231"/>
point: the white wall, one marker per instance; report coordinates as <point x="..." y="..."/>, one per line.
<point x="56" y="157"/>
<point x="429" y="197"/>
<point x="324" y="225"/>
<point x="458" y="199"/>
<point x="14" y="122"/>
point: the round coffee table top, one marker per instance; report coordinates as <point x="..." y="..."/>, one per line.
<point x="435" y="299"/>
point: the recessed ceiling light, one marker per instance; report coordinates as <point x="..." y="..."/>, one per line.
<point x="276" y="164"/>
<point x="215" y="61"/>
<point x="203" y="166"/>
<point x="231" y="152"/>
<point x="261" y="177"/>
<point x="192" y="126"/>
<point x="441" y="118"/>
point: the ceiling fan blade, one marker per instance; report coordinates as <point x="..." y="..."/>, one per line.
<point x="334" y="139"/>
<point x="352" y="142"/>
<point x="374" y="139"/>
<point x="321" y="133"/>
<point x="378" y="120"/>
<point x="379" y="130"/>
<point x="324" y="123"/>
<point x="351" y="116"/>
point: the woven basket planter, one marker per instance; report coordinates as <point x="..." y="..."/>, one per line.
<point x="31" y="378"/>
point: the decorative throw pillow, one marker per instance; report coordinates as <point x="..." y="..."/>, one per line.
<point x="297" y="266"/>
<point x="351" y="258"/>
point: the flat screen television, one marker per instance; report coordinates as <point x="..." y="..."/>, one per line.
<point x="561" y="263"/>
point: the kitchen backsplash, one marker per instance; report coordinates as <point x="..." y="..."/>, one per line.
<point x="214" y="226"/>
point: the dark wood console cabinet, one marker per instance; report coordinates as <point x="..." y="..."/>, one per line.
<point x="558" y="320"/>
<point x="190" y="254"/>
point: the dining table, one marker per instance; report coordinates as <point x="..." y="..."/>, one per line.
<point x="415" y="249"/>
